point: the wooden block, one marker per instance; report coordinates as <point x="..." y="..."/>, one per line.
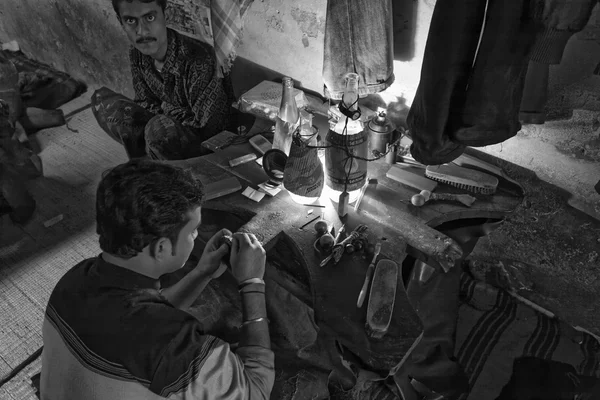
<point x="411" y="176"/>
<point x="217" y="182"/>
<point x="221" y="188"/>
<point x="466" y="160"/>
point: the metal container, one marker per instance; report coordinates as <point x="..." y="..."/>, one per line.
<point x="379" y="132"/>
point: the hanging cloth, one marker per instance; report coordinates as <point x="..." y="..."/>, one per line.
<point x="227" y="27"/>
<point x="359" y="38"/>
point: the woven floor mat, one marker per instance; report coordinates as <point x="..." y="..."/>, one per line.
<point x="61" y="233"/>
<point x="20" y="387"/>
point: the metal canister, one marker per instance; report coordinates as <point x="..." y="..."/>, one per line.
<point x="379" y="132"/>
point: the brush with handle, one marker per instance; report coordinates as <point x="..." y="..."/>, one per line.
<point x="421" y="198"/>
<point x="370" y="270"/>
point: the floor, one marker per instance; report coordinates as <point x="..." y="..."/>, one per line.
<point x="34" y="257"/>
<point x="557" y="245"/>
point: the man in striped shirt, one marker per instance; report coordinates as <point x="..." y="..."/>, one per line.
<point x="179" y="99"/>
<point x="112" y="332"/>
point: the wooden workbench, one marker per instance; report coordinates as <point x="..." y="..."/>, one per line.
<point x="391" y="219"/>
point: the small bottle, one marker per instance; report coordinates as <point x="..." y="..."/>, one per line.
<point x="287" y="119"/>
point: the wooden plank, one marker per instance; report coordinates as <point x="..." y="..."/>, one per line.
<point x="411" y="176"/>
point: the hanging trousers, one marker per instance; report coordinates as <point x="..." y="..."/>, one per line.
<point x="470" y="95"/>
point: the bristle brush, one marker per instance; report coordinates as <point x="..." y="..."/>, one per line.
<point x="463" y="178"/>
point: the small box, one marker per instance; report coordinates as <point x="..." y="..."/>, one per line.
<point x="264" y="100"/>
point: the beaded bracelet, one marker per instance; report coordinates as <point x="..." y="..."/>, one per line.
<point x="251" y="321"/>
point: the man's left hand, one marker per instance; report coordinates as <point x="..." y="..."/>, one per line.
<point x="210" y="263"/>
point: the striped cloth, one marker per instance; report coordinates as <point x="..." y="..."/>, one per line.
<point x="226" y="18"/>
<point x="494" y="329"/>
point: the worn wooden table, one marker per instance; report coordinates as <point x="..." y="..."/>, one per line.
<point x="391" y="219"/>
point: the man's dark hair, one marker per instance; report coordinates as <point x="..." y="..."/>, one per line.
<point x="141" y="201"/>
<point x="115" y="4"/>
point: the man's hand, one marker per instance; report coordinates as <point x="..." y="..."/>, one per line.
<point x="210" y="263"/>
<point x="247" y="257"/>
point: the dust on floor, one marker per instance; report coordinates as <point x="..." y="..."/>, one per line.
<point x="560" y="244"/>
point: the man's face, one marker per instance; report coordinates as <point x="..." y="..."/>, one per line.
<point x="145" y="26"/>
<point x="185" y="242"/>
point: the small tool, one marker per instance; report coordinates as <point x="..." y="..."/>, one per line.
<point x="310" y="222"/>
<point x="362" y="192"/>
<point x="363" y="291"/>
<point x="242" y="160"/>
<point x="339" y="234"/>
<point x="337" y="241"/>
<point x="343" y="204"/>
<point x="420" y="199"/>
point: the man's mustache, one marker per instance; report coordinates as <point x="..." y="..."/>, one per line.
<point x="145" y="40"/>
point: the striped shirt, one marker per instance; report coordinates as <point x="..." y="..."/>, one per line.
<point x="101" y="343"/>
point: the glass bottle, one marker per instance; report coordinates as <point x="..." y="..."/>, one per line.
<point x="287" y="119"/>
<point x="347" y="147"/>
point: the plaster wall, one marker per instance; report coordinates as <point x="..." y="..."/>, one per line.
<point x="83" y="38"/>
<point x="285" y="37"/>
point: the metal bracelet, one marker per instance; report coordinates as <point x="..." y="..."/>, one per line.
<point x="249" y="282"/>
<point x="250" y="321"/>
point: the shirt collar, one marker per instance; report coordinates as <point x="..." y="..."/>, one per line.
<point x="114" y="276"/>
<point x="173" y="44"/>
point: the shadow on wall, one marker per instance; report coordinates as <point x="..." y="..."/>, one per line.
<point x="394" y="106"/>
<point x="88" y="42"/>
<point x="405" y="29"/>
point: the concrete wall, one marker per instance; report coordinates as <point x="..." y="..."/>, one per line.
<point x="83" y="37"/>
<point x="285" y="37"/>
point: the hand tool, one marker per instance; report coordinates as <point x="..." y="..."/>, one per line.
<point x="363" y="291"/>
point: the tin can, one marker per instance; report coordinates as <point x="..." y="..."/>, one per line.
<point x="380" y="131"/>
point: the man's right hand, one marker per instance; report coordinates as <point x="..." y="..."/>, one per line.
<point x="247" y="257"/>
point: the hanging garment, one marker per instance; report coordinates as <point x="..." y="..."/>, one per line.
<point x="449" y="53"/>
<point x="358" y="38"/>
<point x="460" y="103"/>
<point x="227" y="25"/>
<point x="490" y="113"/>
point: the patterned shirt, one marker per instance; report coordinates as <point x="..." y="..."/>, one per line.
<point x="187" y="89"/>
<point x="101" y="343"/>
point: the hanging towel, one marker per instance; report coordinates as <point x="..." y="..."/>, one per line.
<point x="227" y="24"/>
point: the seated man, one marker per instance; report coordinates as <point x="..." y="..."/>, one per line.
<point x="179" y="100"/>
<point x="111" y="331"/>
